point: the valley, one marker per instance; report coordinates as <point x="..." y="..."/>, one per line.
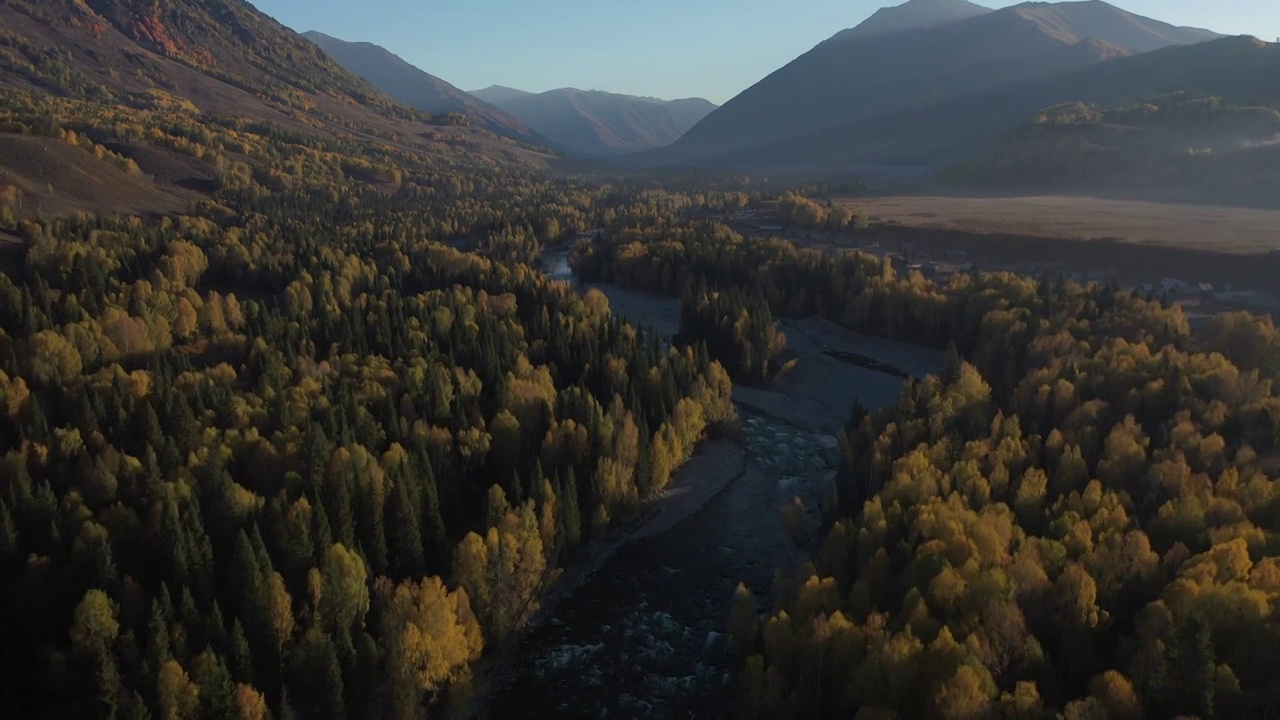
<point x="640" y="630"/>
<point x="921" y="378"/>
<point x="595" y="123"/>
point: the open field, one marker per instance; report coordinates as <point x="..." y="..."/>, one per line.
<point x="1134" y="243"/>
<point x="1204" y="227"/>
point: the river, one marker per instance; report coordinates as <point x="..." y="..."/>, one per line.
<point x="643" y="637"/>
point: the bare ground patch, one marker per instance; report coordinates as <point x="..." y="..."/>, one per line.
<point x="59" y="179"/>
<point x="643" y="309"/>
<point x="168" y="167"/>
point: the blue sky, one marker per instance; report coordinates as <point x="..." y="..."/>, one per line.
<point x="664" y="48"/>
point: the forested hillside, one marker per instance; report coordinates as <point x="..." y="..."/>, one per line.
<point x="1177" y="142"/>
<point x="278" y="448"/>
<point x="291" y="426"/>
<point x="212" y="87"/>
<point x="1079" y="518"/>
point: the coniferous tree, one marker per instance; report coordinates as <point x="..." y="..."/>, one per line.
<point x="1187" y="672"/>
<point x="406" y="540"/>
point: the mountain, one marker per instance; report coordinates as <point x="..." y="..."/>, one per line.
<point x="591" y="122"/>
<point x="168" y="96"/>
<point x="798" y="114"/>
<point x="222" y="55"/>
<point x="688" y="111"/>
<point x="416" y="88"/>
<point x="1239" y="70"/>
<point x="916" y="14"/>
<point x="498" y="94"/>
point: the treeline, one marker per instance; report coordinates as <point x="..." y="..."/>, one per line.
<point x="797" y="211"/>
<point x="737" y="329"/>
<point x="863" y="292"/>
<point x="1079" y="521"/>
<point x="857" y="290"/>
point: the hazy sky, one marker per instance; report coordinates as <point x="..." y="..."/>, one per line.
<point x="664" y="48"/>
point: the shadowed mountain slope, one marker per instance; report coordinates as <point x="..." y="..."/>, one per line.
<point x="416" y="88"/>
<point x="854" y="77"/>
<point x="591" y="122"/>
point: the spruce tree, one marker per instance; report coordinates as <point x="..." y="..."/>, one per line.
<point x="406" y="538"/>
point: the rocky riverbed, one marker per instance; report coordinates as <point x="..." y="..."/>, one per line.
<point x="639" y="631"/>
<point x="643" y="637"/>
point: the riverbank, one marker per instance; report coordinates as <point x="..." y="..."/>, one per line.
<point x="636" y="628"/>
<point x="714" y="466"/>
<point x="643" y="636"/>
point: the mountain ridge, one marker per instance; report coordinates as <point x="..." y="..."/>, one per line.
<point x="951" y="132"/>
<point x="914" y="14"/>
<point x="598" y="122"/>
<point x="497" y="93"/>
<point x="417" y="88"/>
<point x="921" y="67"/>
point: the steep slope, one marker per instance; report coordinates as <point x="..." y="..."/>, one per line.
<point x="180" y="91"/>
<point x="832" y="86"/>
<point x="591" y="122"/>
<point x="1075" y="21"/>
<point x="416" y="88"/>
<point x="915" y="14"/>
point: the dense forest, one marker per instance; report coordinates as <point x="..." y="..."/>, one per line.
<point x="313" y="441"/>
<point x="1097" y="538"/>
<point x="738" y="331"/>
<point x="1079" y="518"/>
<point x="293" y="453"/>
<point x="799" y="211"/>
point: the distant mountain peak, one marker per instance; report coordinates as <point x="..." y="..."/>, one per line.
<point x="417" y="88"/>
<point x="916" y="14"/>
<point x="599" y="122"/>
<point x="825" y="105"/>
<point x="498" y="94"/>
